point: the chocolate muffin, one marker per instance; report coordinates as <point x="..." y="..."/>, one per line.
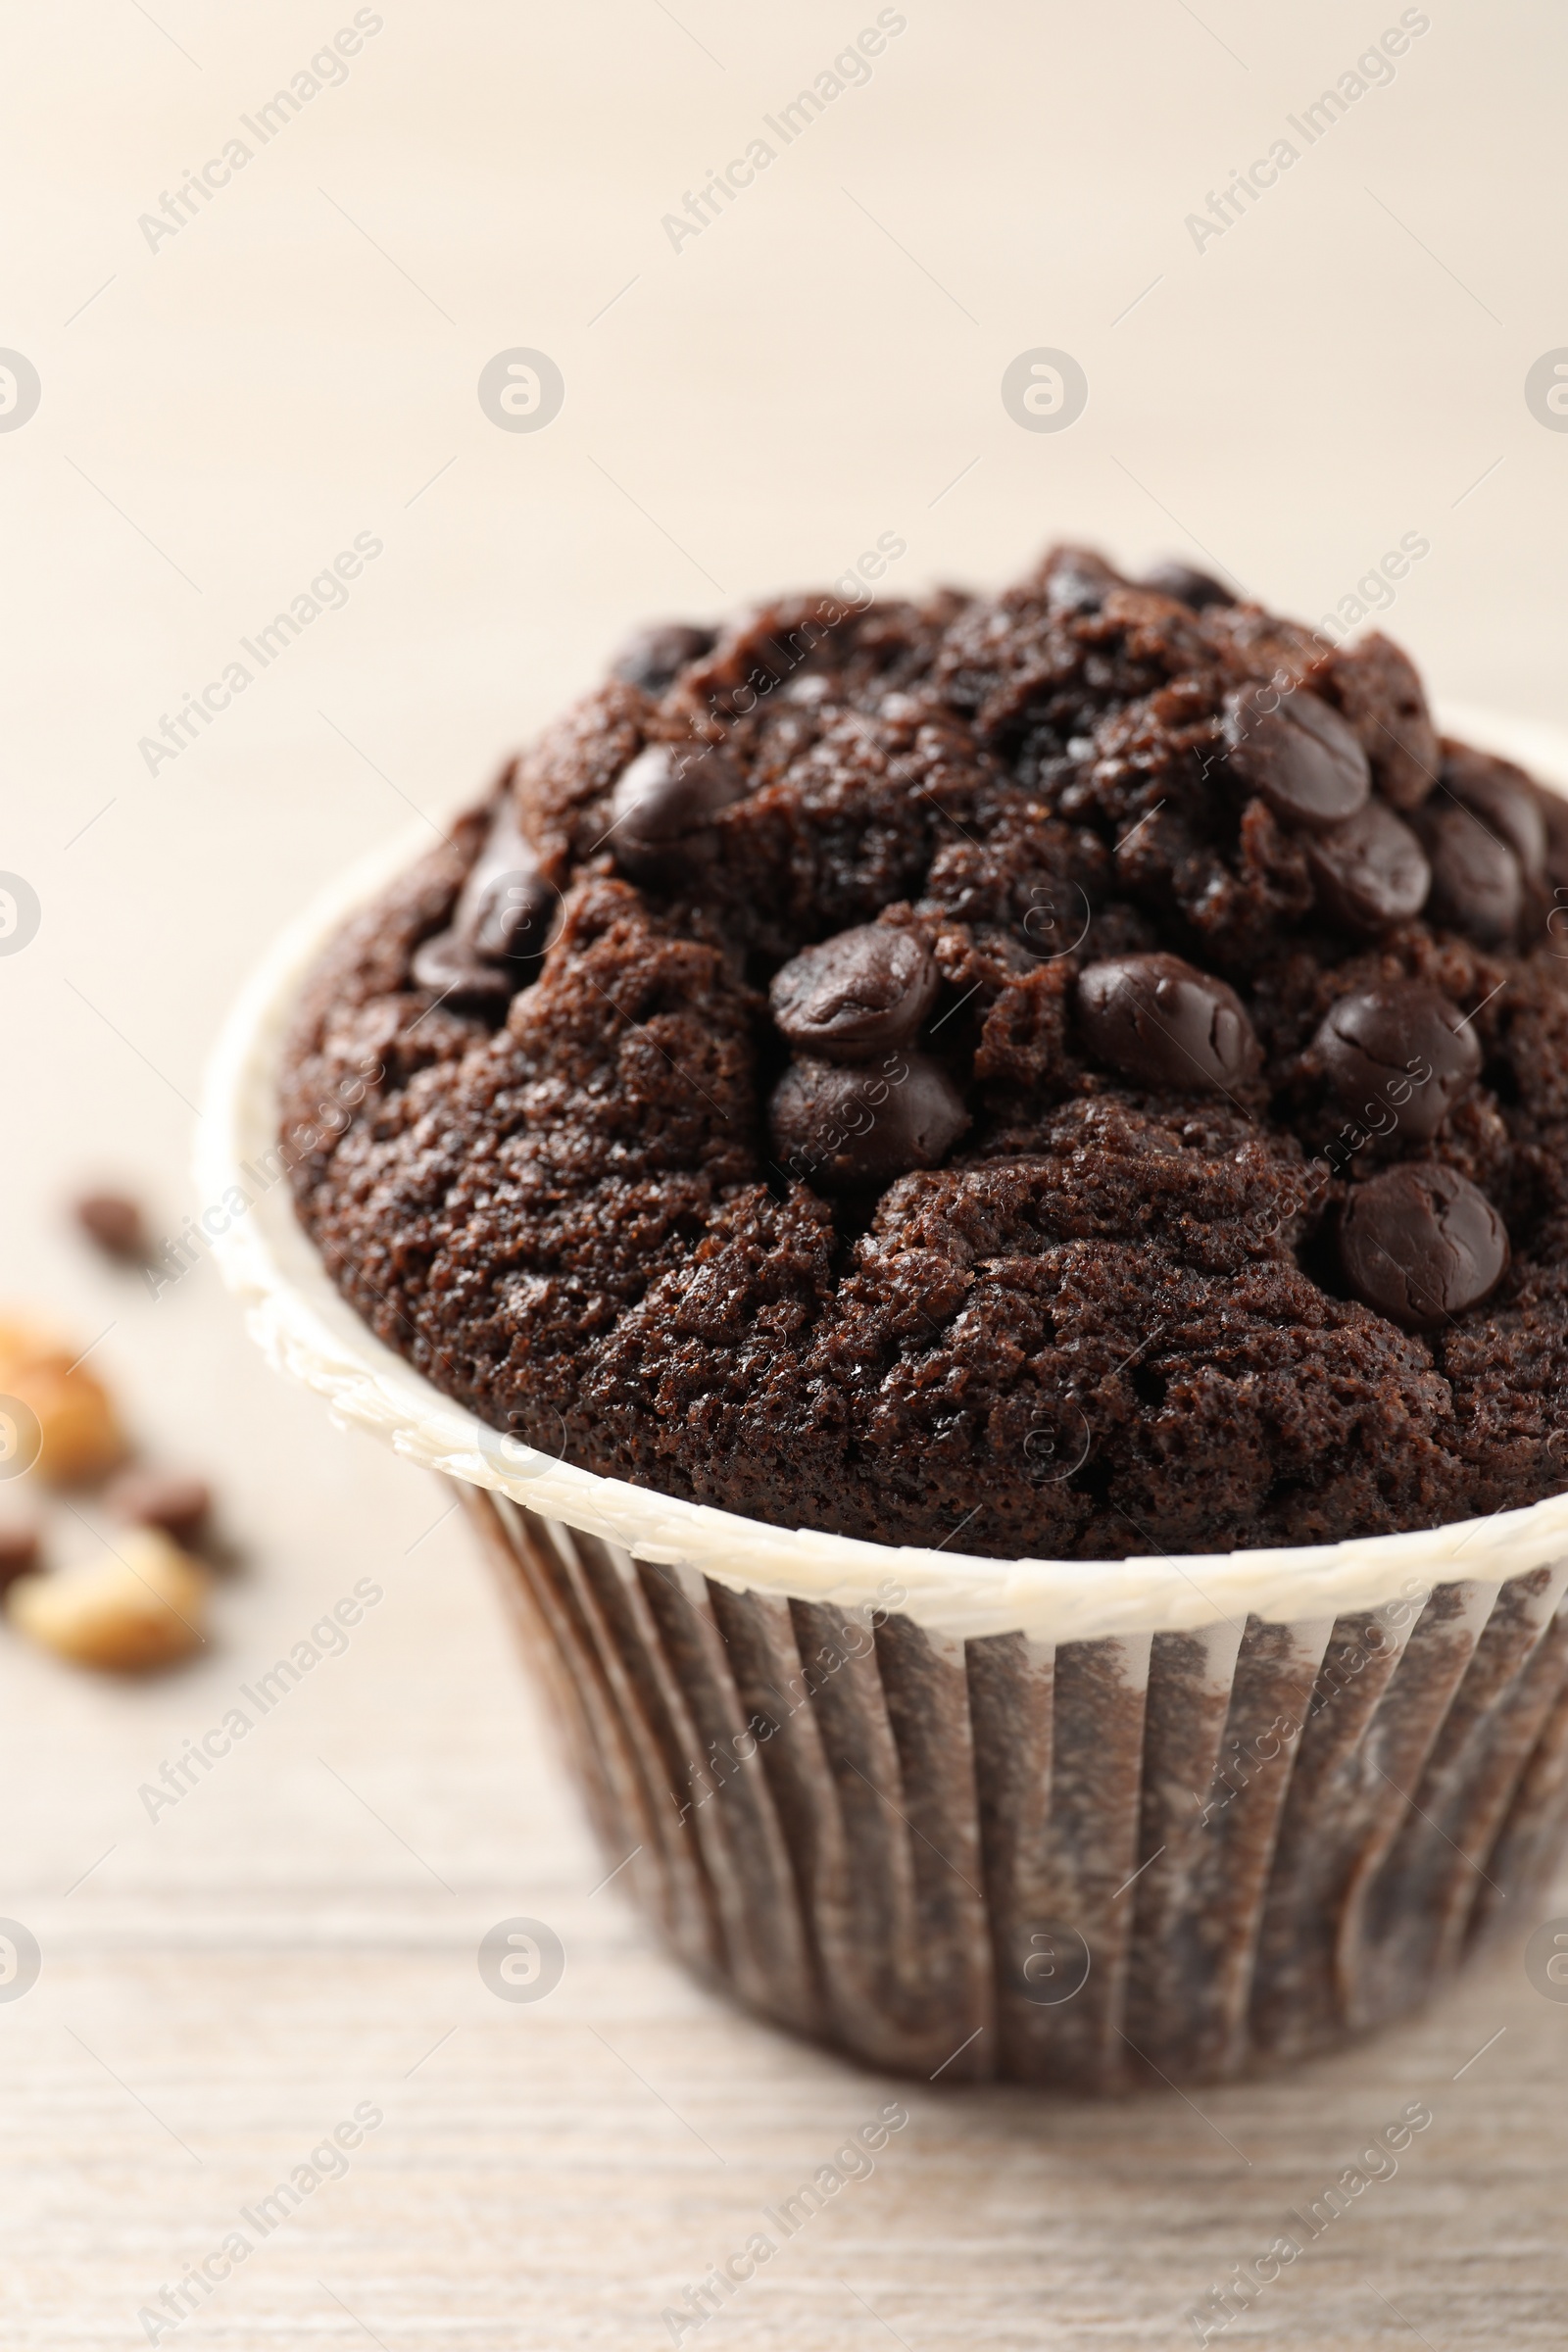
<point x="1071" y="1075"/>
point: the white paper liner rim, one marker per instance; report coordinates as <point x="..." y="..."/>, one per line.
<point x="305" y="1329"/>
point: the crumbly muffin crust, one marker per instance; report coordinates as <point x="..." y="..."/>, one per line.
<point x="1189" y="1173"/>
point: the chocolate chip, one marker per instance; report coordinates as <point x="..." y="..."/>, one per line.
<point x="839" y="1129"/>
<point x="114" y="1222"/>
<point x="1381" y="696"/>
<point x="1297" y="754"/>
<point x="1555" y="816"/>
<point x="652" y="657"/>
<point x="1400" y="1050"/>
<point x="19" y="1551"/>
<point x="1369" y="872"/>
<point x="450" y="970"/>
<point x="664" y="804"/>
<point x="506" y="908"/>
<point x="1153" y="1017"/>
<point x="1420" y="1244"/>
<point x="1187" y="586"/>
<point x="1500" y="797"/>
<point x="855" y="994"/>
<point x="501" y="923"/>
<point x="513" y="921"/>
<point x="179" y="1505"/>
<point x="1477" y="887"/>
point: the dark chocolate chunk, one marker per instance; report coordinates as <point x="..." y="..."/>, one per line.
<point x="114" y="1222"/>
<point x="1500" y="797"/>
<point x="1156" y="1018"/>
<point x="1477" y="887"/>
<point x="1187" y="586"/>
<point x="503" y="921"/>
<point x="1400" y="1051"/>
<point x="857" y="994"/>
<point x="1554" y="818"/>
<point x="513" y="921"/>
<point x="839" y="1129"/>
<point x="1297" y="754"/>
<point x="1381" y="696"/>
<point x="654" y="657"/>
<point x="664" y="805"/>
<point x="1369" y="872"/>
<point x="506" y="908"/>
<point x="449" y="967"/>
<point x="178" y="1504"/>
<point x="19" y="1550"/>
<point x="1552" y="906"/>
<point x="1420" y="1244"/>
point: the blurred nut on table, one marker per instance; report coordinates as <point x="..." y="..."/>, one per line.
<point x="77" y="1434"/>
<point x="141" y="1606"/>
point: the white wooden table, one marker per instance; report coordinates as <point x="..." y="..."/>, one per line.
<point x="298" y="1935"/>
<point x="224" y="1984"/>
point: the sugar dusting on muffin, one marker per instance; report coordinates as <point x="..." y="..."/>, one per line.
<point x="1088" y="1066"/>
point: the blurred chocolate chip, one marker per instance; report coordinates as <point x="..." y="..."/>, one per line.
<point x="1403" y="1048"/>
<point x="1500" y="797"/>
<point x="449" y="967"/>
<point x="1156" y="1018"/>
<point x="513" y="921"/>
<point x="664" y="804"/>
<point x="1187" y="586"/>
<point x="837" y="1128"/>
<point x="1297" y="754"/>
<point x="1555" y="816"/>
<point x="179" y="1505"/>
<point x="115" y="1223"/>
<point x="19" y="1550"/>
<point x="857" y="994"/>
<point x="505" y="906"/>
<point x="1382" y="696"/>
<point x="501" y="924"/>
<point x="1420" y="1244"/>
<point x="1369" y="872"/>
<point x="1477" y="887"/>
<point x="654" y="657"/>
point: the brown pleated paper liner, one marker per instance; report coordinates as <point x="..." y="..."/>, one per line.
<point x="1179" y="1854"/>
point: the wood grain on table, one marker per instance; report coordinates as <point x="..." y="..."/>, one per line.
<point x="296" y="1938"/>
<point x="224" y="408"/>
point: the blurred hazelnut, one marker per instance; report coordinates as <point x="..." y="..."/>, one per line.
<point x="125" y="1612"/>
<point x="77" y="1435"/>
<point x="54" y="1413"/>
<point x="27" y="1339"/>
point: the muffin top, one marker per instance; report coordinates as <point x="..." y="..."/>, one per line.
<point x="1069" y="1075"/>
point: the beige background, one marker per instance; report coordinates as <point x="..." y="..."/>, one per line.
<point x="820" y="365"/>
